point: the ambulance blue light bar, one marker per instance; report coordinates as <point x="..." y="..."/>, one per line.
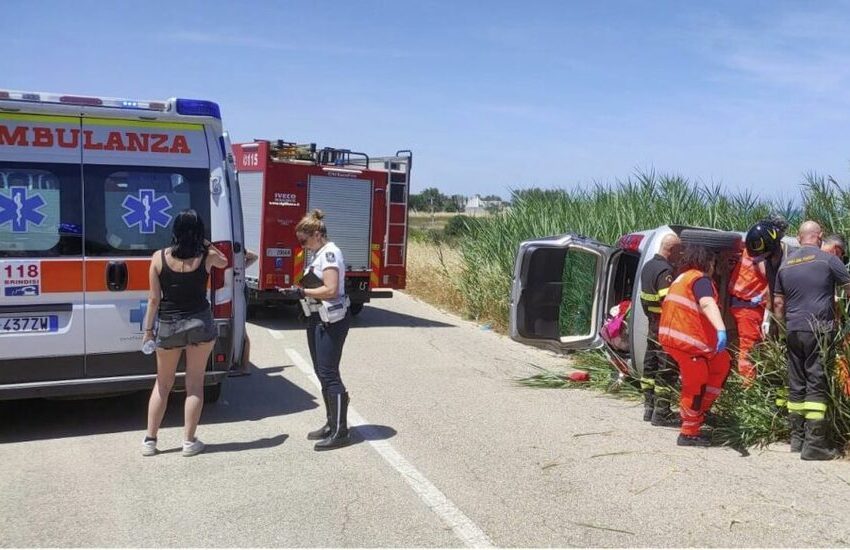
<point x="198" y="107"/>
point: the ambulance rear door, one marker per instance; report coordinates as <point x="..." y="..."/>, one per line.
<point x="41" y="267"/>
<point x="137" y="175"/>
<point x="558" y="292"/>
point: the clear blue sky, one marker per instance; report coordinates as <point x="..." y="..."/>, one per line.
<point x="489" y="95"/>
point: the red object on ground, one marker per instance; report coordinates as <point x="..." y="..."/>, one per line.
<point x="579" y="376"/>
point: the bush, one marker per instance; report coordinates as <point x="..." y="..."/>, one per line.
<point x="461" y="226"/>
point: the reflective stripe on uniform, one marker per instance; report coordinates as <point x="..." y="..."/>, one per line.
<point x="647" y="383"/>
<point x="682" y="337"/>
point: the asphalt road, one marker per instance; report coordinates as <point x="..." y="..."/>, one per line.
<point x="449" y="452"/>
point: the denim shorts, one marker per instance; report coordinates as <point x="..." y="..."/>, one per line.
<point x="185" y="330"/>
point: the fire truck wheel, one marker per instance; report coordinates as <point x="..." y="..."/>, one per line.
<point x="722" y="240"/>
<point x="212" y="393"/>
<point x="356" y="309"/>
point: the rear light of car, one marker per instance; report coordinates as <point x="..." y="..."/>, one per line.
<point x="219" y="278"/>
<point x="630" y="242"/>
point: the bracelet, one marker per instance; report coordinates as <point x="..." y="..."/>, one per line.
<point x="149" y="329"/>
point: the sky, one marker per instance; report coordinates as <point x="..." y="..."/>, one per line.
<point x="490" y="95"/>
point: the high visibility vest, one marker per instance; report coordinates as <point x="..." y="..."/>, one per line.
<point x="747" y="282"/>
<point x="683" y="326"/>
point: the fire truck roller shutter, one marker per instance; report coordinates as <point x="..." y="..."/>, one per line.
<point x="251" y="189"/>
<point x="347" y="204"/>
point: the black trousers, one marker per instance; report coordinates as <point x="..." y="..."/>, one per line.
<point x="806" y="373"/>
<point x="657" y="365"/>
<point x="325" y="342"/>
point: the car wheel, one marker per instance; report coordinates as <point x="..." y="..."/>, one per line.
<point x="212" y="393"/>
<point x="721" y="240"/>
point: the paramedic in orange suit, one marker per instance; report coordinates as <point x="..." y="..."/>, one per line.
<point x="749" y="297"/>
<point x="692" y="332"/>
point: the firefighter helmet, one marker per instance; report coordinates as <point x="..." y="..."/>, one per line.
<point x="763" y="239"/>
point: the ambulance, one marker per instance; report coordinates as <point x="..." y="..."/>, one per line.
<point x="564" y="286"/>
<point x="89" y="187"/>
<point x="364" y="199"/>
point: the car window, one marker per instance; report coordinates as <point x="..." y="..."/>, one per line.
<point x="40" y="209"/>
<point x="129" y="210"/>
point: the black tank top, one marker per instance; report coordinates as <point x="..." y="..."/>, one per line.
<point x="183" y="293"/>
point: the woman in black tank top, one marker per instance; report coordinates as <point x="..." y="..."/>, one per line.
<point x="178" y="297"/>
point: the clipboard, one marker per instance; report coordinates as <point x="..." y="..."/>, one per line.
<point x="311" y="280"/>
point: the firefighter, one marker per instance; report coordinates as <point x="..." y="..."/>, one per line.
<point x="764" y="245"/>
<point x="323" y="299"/>
<point x="659" y="375"/>
<point x="748" y="290"/>
<point x="804" y="298"/>
<point x="692" y="332"/>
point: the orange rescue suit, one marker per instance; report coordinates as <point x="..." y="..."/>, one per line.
<point x="747" y="283"/>
<point x="690" y="339"/>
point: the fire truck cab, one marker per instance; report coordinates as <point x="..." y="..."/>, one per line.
<point x="365" y="204"/>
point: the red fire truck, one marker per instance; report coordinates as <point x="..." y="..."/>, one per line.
<point x="365" y="204"/>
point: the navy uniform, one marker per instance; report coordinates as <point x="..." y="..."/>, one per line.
<point x="806" y="283"/>
<point x="658" y="373"/>
<point x="328" y="325"/>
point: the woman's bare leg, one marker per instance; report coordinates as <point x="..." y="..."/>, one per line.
<point x="196" y="364"/>
<point x="166" y="367"/>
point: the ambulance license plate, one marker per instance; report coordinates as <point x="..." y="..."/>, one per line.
<point x="37" y="323"/>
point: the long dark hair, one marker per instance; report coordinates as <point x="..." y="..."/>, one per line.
<point x="187" y="235"/>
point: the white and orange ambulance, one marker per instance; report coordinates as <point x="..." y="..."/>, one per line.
<point x="88" y="189"/>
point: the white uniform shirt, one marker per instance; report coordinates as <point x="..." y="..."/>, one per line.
<point x="329" y="256"/>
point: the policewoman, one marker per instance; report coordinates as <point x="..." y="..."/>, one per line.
<point x="322" y="296"/>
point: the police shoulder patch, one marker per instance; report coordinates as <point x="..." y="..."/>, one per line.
<point x="330" y="256"/>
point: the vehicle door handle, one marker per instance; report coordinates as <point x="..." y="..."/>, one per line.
<point x="116" y="276"/>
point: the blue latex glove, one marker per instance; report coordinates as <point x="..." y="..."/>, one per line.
<point x="721" y="341"/>
<point x="757" y="300"/>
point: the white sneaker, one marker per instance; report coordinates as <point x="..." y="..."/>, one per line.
<point x="149" y="447"/>
<point x="191" y="448"/>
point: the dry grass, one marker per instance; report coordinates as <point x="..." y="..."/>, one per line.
<point x="425" y="220"/>
<point x="433" y="272"/>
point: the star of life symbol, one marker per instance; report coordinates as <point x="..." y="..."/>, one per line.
<point x="147" y="211"/>
<point x="21" y="209"/>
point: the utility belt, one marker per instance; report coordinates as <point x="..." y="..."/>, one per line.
<point x="328" y="314"/>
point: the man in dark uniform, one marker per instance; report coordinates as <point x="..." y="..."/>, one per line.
<point x="658" y="373"/>
<point x="804" y="294"/>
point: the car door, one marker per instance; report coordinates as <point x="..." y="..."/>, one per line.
<point x="240" y="306"/>
<point x="41" y="267"/>
<point x="137" y="176"/>
<point x="558" y="292"/>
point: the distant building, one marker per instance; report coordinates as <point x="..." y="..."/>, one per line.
<point x="476" y="206"/>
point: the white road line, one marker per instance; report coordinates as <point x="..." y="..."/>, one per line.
<point x="463" y="527"/>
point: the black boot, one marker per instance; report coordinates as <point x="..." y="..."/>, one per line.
<point x="325" y="430"/>
<point x="662" y="415"/>
<point x="816" y="446"/>
<point x="797" y="424"/>
<point x="339" y="423"/>
<point x="693" y="440"/>
<point x="648" y="404"/>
